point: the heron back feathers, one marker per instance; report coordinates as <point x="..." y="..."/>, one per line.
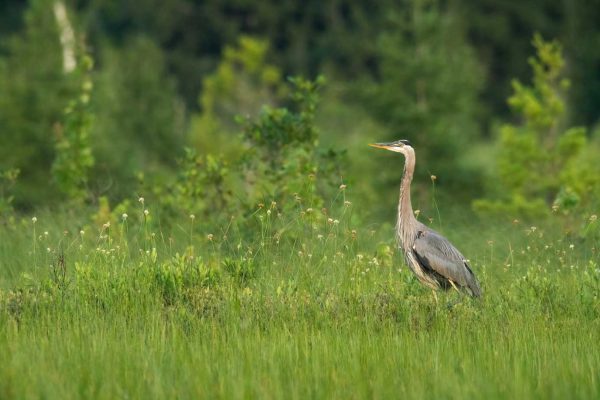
<point x="437" y="254"/>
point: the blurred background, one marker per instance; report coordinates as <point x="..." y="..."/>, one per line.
<point x="102" y="101"/>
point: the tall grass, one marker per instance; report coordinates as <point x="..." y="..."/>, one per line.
<point x="302" y="303"/>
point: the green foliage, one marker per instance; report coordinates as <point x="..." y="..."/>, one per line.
<point x="428" y="87"/>
<point x="282" y="159"/>
<point x="299" y="294"/>
<point x="242" y="270"/>
<point x="202" y="186"/>
<point x="180" y="276"/>
<point x="538" y="160"/>
<point x="34" y="90"/>
<point x="241" y="84"/>
<point x="8" y="179"/>
<point x="74" y="159"/>
<point x="278" y="158"/>
<point x="139" y="119"/>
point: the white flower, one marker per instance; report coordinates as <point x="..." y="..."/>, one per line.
<point x="146" y="212"/>
<point x="141" y="200"/>
<point x="34" y="220"/>
<point x="124" y="216"/>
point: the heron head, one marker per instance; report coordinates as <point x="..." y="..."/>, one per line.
<point x="399" y="146"/>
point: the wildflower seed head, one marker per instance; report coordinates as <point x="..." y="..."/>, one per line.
<point x="82" y="232"/>
<point x="192" y="217"/>
<point x="34" y="220"/>
<point x="343" y="187"/>
<point x="433" y="178"/>
<point x="146" y="212"/>
<point x="124" y="216"/>
<point x="210" y="237"/>
<point x="141" y="200"/>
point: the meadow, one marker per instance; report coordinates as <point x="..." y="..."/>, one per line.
<point x="181" y="216"/>
<point x="295" y="303"/>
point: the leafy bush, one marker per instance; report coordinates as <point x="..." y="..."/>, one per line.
<point x="34" y="90"/>
<point x="176" y="277"/>
<point x="8" y="179"/>
<point x="538" y="159"/>
<point x="242" y="83"/>
<point x="282" y="160"/>
<point x="74" y="159"/>
<point x="427" y="90"/>
<point x="139" y="119"/>
<point x="278" y="160"/>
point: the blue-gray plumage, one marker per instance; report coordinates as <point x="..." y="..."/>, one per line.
<point x="432" y="258"/>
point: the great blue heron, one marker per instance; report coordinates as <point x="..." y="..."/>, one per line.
<point x="433" y="259"/>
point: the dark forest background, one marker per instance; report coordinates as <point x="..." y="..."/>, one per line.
<point x="104" y="99"/>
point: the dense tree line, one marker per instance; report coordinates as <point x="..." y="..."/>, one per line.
<point x="441" y="67"/>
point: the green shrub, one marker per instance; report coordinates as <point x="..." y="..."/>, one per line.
<point x="8" y="179"/>
<point x="242" y="83"/>
<point x="427" y="90"/>
<point x="74" y="160"/>
<point x="539" y="161"/>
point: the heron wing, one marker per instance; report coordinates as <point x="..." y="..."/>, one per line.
<point x="436" y="253"/>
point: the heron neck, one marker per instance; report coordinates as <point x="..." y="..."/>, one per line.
<point x="406" y="216"/>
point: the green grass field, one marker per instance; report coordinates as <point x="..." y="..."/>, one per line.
<point x="299" y="305"/>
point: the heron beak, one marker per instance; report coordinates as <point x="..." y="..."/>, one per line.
<point x="381" y="145"/>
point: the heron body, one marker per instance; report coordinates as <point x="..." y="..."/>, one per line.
<point x="430" y="256"/>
